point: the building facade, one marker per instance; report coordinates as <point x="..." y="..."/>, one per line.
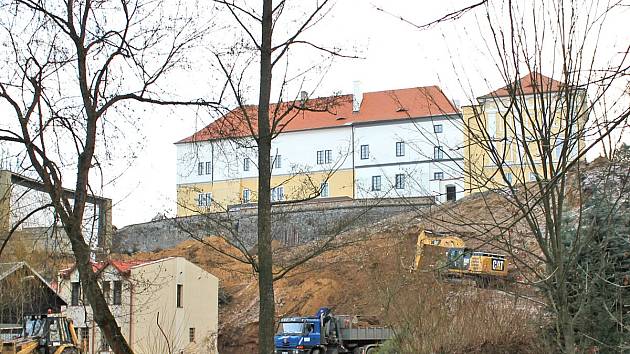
<point x="398" y="143"/>
<point x="524" y="132"/>
<point x="173" y="292"/>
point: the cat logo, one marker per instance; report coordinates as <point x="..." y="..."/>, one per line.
<point x="498" y="264"/>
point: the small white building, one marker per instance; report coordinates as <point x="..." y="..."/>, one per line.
<point x="173" y="292"/>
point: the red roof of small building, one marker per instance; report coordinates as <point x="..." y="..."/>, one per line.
<point x="333" y="111"/>
<point x="122" y="266"/>
<point x="527" y="85"/>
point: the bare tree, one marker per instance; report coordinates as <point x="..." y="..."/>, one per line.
<point x="71" y="69"/>
<point x="526" y="142"/>
<point x="266" y="121"/>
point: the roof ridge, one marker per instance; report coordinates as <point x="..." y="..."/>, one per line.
<point x="419" y="101"/>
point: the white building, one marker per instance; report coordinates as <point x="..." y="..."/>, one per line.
<point x="397" y="143"/>
<point x="173" y="292"/>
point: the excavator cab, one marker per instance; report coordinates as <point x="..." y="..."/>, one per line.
<point x="54" y="334"/>
<point x="458" y="258"/>
<point x="429" y="238"/>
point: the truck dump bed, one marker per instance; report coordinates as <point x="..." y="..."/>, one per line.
<point x="370" y="333"/>
<point x="353" y="328"/>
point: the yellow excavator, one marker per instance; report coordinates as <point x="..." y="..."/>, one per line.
<point x="461" y="261"/>
<point x="44" y="334"/>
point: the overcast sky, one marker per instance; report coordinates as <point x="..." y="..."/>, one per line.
<point x="394" y="55"/>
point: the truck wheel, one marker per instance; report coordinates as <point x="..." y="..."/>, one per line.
<point x="371" y="351"/>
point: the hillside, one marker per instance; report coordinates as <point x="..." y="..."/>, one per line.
<point x="349" y="279"/>
<point x="368" y="273"/>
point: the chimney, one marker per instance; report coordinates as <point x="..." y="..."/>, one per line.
<point x="357" y="96"/>
<point x="303" y="98"/>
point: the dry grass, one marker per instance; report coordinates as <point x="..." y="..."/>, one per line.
<point x="432" y="315"/>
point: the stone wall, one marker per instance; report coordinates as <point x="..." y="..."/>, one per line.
<point x="292" y="224"/>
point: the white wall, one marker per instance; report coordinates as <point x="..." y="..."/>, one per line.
<point x="418" y="163"/>
<point x="297" y="150"/>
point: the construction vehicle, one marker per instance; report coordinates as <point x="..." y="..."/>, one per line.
<point x="44" y="334"/>
<point x="462" y="261"/>
<point x="326" y="333"/>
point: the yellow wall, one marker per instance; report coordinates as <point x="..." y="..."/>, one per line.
<point x="156" y="291"/>
<point x="225" y="193"/>
<point x="481" y="172"/>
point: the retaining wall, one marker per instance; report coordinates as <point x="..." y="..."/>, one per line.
<point x="292" y="224"/>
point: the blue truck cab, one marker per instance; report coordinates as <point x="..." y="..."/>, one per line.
<point x="298" y="335"/>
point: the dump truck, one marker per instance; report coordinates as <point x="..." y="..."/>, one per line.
<point x="462" y="261"/>
<point x="44" y="334"/>
<point x="327" y="333"/>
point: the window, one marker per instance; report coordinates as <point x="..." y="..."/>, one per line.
<point x="54" y="332"/>
<point x="191" y="334"/>
<point x="200" y="168"/>
<point x="508" y="178"/>
<point x="180" y="295"/>
<point x="559" y="148"/>
<point x="451" y="193"/>
<point x="438" y="152"/>
<point x="246" y="195"/>
<point x="208" y="199"/>
<point x="323" y="190"/>
<point x="106" y="287"/>
<point x="376" y="183"/>
<point x="276" y="161"/>
<point x="400" y="181"/>
<point x="117" y="299"/>
<point x="246" y="164"/>
<point x="492" y="124"/>
<point x="277" y="194"/>
<point x="532" y="176"/>
<point x="208" y="168"/>
<point x="84" y="333"/>
<point x="400" y="148"/>
<point x="437" y="128"/>
<point x="204" y="199"/>
<point x="438" y="175"/>
<point x="320" y="157"/>
<point x="76" y="293"/>
<point x="327" y="156"/>
<point x="365" y="152"/>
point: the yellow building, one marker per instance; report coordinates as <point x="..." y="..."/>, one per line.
<point x="527" y="131"/>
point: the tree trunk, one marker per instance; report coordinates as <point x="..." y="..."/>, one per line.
<point x="266" y="316"/>
<point x="89" y="285"/>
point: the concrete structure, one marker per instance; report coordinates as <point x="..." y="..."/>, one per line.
<point x="397" y="143"/>
<point x="9" y="180"/>
<point x="291" y="224"/>
<point x="537" y="112"/>
<point x="179" y="295"/>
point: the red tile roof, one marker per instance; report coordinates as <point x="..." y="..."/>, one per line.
<point x="121" y="266"/>
<point x="528" y="84"/>
<point x="334" y="111"/>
